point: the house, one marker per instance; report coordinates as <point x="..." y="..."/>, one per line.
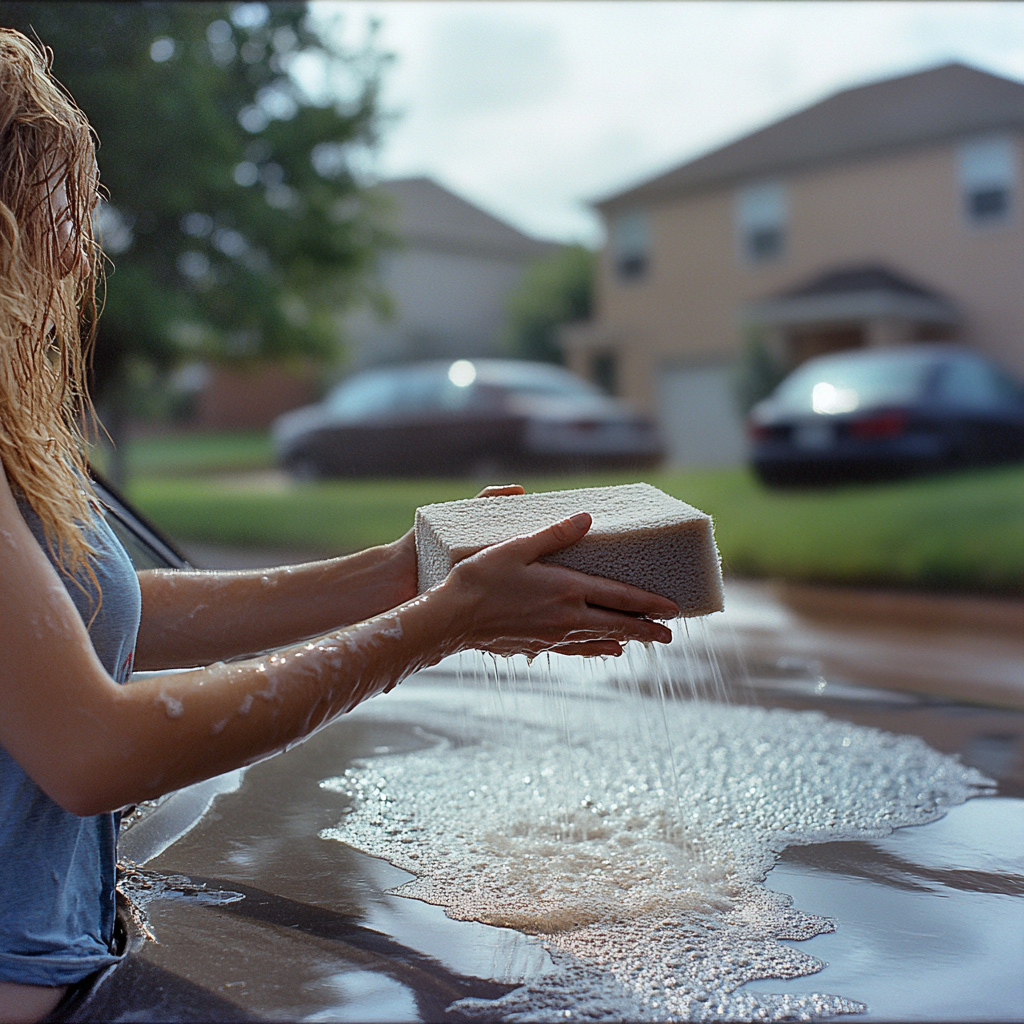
<point x="887" y="213"/>
<point x="448" y="280"/>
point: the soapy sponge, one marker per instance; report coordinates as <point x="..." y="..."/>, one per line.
<point x="640" y="535"/>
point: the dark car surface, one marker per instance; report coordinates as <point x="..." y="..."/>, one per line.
<point x="887" y="413"/>
<point x="462" y="417"/>
<point x="147" y="547"/>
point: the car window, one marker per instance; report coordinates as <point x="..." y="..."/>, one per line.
<point x="843" y="385"/>
<point x="530" y="379"/>
<point x="142" y="555"/>
<point x="972" y="384"/>
<point x="366" y="394"/>
<point x="146" y="546"/>
<point x="428" y="389"/>
<point x="397" y="391"/>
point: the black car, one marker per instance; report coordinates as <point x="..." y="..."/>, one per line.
<point x="875" y="414"/>
<point x="478" y="417"/>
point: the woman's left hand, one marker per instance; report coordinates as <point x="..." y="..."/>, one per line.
<point x="402" y="567"/>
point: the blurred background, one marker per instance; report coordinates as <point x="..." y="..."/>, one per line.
<point x="365" y="256"/>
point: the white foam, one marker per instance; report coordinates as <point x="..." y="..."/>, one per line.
<point x="632" y="833"/>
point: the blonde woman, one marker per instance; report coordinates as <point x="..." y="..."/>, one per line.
<point x="75" y="744"/>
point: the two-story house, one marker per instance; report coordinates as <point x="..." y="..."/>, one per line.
<point x="448" y="279"/>
<point x="884" y="214"/>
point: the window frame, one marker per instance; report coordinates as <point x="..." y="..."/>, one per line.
<point x="760" y="209"/>
<point x="1001" y="175"/>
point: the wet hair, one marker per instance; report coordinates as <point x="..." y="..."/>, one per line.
<point x="49" y="264"/>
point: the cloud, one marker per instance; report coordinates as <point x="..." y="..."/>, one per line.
<point x="481" y="64"/>
<point x="531" y="109"/>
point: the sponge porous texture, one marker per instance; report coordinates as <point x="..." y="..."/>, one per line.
<point x="640" y="535"/>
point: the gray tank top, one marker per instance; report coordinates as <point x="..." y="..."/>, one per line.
<point x="57" y="871"/>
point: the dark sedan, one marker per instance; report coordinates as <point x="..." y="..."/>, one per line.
<point x="477" y="417"/>
<point x="875" y="414"/>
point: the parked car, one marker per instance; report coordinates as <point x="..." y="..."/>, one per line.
<point x="872" y="414"/>
<point x="453" y="418"/>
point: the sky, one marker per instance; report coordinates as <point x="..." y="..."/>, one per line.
<point x="533" y="109"/>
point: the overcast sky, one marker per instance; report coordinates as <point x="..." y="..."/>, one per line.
<point x="530" y="108"/>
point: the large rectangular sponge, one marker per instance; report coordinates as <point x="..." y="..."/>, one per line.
<point x="640" y="535"/>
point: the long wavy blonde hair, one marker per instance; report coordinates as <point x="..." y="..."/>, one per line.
<point x="49" y="264"/>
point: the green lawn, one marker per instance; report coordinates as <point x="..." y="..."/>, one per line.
<point x="196" y="454"/>
<point x="955" y="532"/>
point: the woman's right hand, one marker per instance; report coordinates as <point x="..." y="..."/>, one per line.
<point x="512" y="603"/>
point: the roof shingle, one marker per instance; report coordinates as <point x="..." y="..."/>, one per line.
<point x="945" y="102"/>
<point x="427" y="215"/>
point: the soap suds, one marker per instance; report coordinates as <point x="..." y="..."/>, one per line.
<point x="638" y="849"/>
<point x="173" y="707"/>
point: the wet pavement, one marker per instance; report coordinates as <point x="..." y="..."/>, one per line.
<point x="256" y="916"/>
<point x="918" y="913"/>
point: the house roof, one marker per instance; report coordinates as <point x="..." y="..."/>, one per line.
<point x="851" y="294"/>
<point x="847" y="280"/>
<point x="930" y="106"/>
<point x="425" y="215"/>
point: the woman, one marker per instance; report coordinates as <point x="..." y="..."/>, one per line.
<point x="74" y="744"/>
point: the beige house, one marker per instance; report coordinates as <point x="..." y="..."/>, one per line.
<point x="887" y="213"/>
<point x="449" y="279"/>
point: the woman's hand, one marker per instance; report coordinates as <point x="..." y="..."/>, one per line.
<point x="514" y="603"/>
<point x="401" y="569"/>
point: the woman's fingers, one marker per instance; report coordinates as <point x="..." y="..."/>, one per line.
<point x="605" y="624"/>
<point x="516" y="602"/>
<point x="590" y="649"/>
<point x="598" y="591"/>
<point x="622" y="597"/>
<point x="500" y="489"/>
<point x="555" y="537"/>
<point x="579" y="648"/>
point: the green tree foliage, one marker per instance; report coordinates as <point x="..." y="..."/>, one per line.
<point x="236" y="223"/>
<point x="555" y="290"/>
<point x="759" y="371"/>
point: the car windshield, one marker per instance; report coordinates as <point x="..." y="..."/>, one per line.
<point x="847" y="383"/>
<point x="406" y="390"/>
<point x="530" y="379"/>
<point x="411" y="389"/>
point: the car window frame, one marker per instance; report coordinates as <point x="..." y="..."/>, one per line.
<point x="120" y="513"/>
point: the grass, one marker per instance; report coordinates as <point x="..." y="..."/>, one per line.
<point x="195" y="454"/>
<point x="960" y="532"/>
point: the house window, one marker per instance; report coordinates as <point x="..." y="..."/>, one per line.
<point x="631" y="243"/>
<point x="987" y="180"/>
<point x="762" y="212"/>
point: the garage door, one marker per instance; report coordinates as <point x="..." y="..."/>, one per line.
<point x="699" y="418"/>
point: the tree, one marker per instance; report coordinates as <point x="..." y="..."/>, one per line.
<point x="759" y="372"/>
<point x="555" y="290"/>
<point x="236" y="221"/>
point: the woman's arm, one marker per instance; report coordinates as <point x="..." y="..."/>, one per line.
<point x="195" y="618"/>
<point x="93" y="745"/>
